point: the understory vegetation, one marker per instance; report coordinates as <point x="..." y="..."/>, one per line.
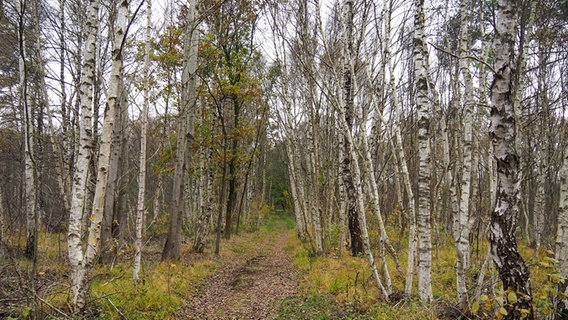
<point x="340" y="286"/>
<point x="334" y="286"/>
<point x="162" y="294"/>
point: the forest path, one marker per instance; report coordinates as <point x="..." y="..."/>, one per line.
<point x="257" y="271"/>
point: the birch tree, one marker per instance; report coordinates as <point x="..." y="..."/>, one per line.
<point x="561" y="252"/>
<point x="74" y="232"/>
<point x="351" y="162"/>
<point x="422" y="104"/>
<point x="84" y="261"/>
<point x="26" y="104"/>
<point x="140" y="212"/>
<point x="400" y="155"/>
<point x="461" y="219"/>
<point x="510" y="265"/>
<point x="347" y="165"/>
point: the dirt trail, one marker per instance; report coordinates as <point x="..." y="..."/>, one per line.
<point x="247" y="285"/>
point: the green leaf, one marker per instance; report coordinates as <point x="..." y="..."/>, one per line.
<point x="483" y="297"/>
<point x="503" y="311"/>
<point x="475" y="307"/>
<point x="512" y="297"/>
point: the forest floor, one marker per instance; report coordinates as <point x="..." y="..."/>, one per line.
<point x="267" y="273"/>
<point x="249" y="283"/>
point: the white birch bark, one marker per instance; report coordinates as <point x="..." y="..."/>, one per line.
<point x="462" y="228"/>
<point x="140" y="212"/>
<point x="401" y="159"/>
<point x="561" y="252"/>
<point x="346" y="98"/>
<point x="343" y="232"/>
<point x="369" y="172"/>
<point x="422" y="101"/>
<point x="76" y="254"/>
<point x="512" y="270"/>
<point x="2" y="223"/>
<point x="206" y="201"/>
<point x="81" y="279"/>
<point x="29" y="162"/>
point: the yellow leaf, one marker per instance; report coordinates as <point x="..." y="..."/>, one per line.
<point x="503" y="311"/>
<point x="475" y="307"/>
<point x="512" y="297"/>
<point x="525" y="313"/>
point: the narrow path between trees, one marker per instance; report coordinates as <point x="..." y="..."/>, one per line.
<point x="248" y="284"/>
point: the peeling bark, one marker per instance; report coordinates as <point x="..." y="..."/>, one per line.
<point x="512" y="270"/>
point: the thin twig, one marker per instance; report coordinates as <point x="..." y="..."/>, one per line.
<point x="52" y="307"/>
<point x="122" y="316"/>
<point x="462" y="57"/>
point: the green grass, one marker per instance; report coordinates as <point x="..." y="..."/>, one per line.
<point x="277" y="220"/>
<point x="345" y="283"/>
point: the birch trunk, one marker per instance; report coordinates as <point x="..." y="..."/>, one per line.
<point x="351" y="162"/>
<point x="2" y="223"/>
<point x="172" y="247"/>
<point x="29" y="162"/>
<point x="539" y="213"/>
<point x="81" y="278"/>
<point x="313" y="164"/>
<point x="297" y="194"/>
<point x="142" y="161"/>
<point x="422" y="101"/>
<point x="85" y="146"/>
<point x="562" y="232"/>
<point x="206" y="180"/>
<point x="401" y="158"/>
<point x="347" y="161"/>
<point x="512" y="269"/>
<point x="369" y="172"/>
<point x="462" y="228"/>
<point x="314" y="188"/>
<point x="111" y="208"/>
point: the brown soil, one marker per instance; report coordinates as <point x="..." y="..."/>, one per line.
<point x="247" y="285"/>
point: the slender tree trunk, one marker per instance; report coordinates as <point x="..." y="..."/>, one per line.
<point x="143" y="136"/>
<point x="74" y="233"/>
<point x="81" y="278"/>
<point x="172" y="247"/>
<point x="2" y="223"/>
<point x="221" y="205"/>
<point x="461" y="226"/>
<point x="297" y="197"/>
<point x="206" y="181"/>
<point x="347" y="161"/>
<point x="512" y="269"/>
<point x="402" y="163"/>
<point x="29" y="162"/>
<point x="369" y="172"/>
<point x="422" y="101"/>
<point x="562" y="233"/>
<point x="345" y="114"/>
<point x="233" y="167"/>
<point x="342" y="214"/>
<point x="111" y="197"/>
